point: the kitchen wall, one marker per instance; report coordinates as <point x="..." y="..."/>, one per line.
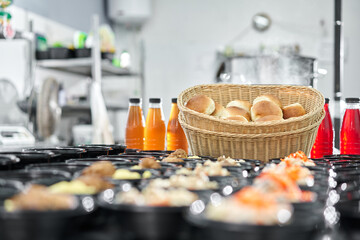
<point x="69" y="12"/>
<point x="181" y="39"/>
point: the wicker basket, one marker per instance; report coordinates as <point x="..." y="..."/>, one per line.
<point x="311" y="99"/>
<point x="250" y="146"/>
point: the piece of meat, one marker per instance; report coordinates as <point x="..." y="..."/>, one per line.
<point x="149" y="163"/>
<point x="179" y="153"/>
<point x="96" y="181"/>
<point x="37" y="197"/>
<point x="101" y="168"/>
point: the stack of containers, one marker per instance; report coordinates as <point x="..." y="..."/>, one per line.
<point x="210" y="136"/>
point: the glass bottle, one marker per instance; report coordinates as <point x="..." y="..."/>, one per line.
<point x="175" y="136"/>
<point x="155" y="126"/>
<point x="324" y="141"/>
<point x="134" y="134"/>
<point x="350" y="129"/>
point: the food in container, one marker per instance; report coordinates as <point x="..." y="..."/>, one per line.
<point x="250" y="206"/>
<point x="219" y="110"/>
<point x="126" y="174"/>
<point x="228" y="161"/>
<point x="38" y="197"/>
<point x="73" y="187"/>
<point x="153" y="196"/>
<point x="293" y="110"/>
<point x="188" y="182"/>
<point x="298" y="158"/>
<point x="149" y="163"/>
<point x="202" y="104"/>
<point x="100" y="168"/>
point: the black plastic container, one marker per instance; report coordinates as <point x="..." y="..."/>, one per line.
<point x="59" y="53"/>
<point x="94" y="151"/>
<point x="116" y="148"/>
<point x="93" y="160"/>
<point x="132" y="150"/>
<point x="43" y="225"/>
<point x="82" y="52"/>
<point x="303" y="227"/>
<point x="9" y="188"/>
<point x="145" y="222"/>
<point x="40" y="55"/>
<point x="349" y="214"/>
<point x="63" y="153"/>
<point x="7" y="162"/>
<point x="43" y="177"/>
<point x="67" y="167"/>
<point x="31" y="157"/>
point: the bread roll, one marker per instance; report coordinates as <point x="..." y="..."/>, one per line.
<point x="265" y="108"/>
<point x="219" y="109"/>
<point x="268" y="97"/>
<point x="235" y="111"/>
<point x="293" y="110"/>
<point x="201" y="104"/>
<point x="269" y="118"/>
<point x="237" y="118"/>
<point x="240" y="104"/>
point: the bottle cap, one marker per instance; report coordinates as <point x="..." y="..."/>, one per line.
<point x="155" y="100"/>
<point x="134" y="100"/>
<point x="327" y="100"/>
<point x="352" y="100"/>
<point x="174" y="100"/>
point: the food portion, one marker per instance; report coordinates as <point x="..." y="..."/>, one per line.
<point x="228" y="161"/>
<point x="266" y="105"/>
<point x="268" y="201"/>
<point x="245" y="105"/>
<point x="159" y="197"/>
<point x="264" y="108"/>
<point x="101" y="168"/>
<point x="219" y="109"/>
<point x="250" y="206"/>
<point x="149" y="163"/>
<point x="188" y="182"/>
<point x="179" y="153"/>
<point x="298" y="158"/>
<point x="281" y="186"/>
<point x="73" y="187"/>
<point x="209" y="168"/>
<point x="202" y="104"/>
<point x="231" y="112"/>
<point x="40" y="198"/>
<point x="172" y="159"/>
<point x="122" y="174"/>
<point x="293" y="110"/>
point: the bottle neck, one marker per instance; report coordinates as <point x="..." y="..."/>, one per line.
<point x="174" y="111"/>
<point x="135" y="104"/>
<point x="155" y="105"/>
<point x="353" y="106"/>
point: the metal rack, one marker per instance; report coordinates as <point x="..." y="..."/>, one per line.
<point x="83" y="66"/>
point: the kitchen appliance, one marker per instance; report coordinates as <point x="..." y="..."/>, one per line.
<point x="15" y="135"/>
<point x="268" y="69"/>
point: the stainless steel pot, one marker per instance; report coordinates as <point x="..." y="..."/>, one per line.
<point x="268" y="69"/>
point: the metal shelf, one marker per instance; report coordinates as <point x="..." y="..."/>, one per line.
<point x="83" y="66"/>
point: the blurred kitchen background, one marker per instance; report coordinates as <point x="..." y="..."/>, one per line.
<point x="51" y="53"/>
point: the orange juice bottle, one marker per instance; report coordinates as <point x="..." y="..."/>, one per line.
<point x="155" y="126"/>
<point x="134" y="135"/>
<point x="175" y="135"/>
